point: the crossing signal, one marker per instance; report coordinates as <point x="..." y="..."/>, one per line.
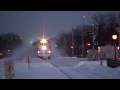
<point x="89" y="33"/>
<point x="71" y="46"/>
<point x="88" y="44"/>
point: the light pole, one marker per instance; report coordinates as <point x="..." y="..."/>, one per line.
<point x="72" y="42"/>
<point x="83" y="38"/>
<point x="65" y="45"/>
<point x="114" y="37"/>
<point x="93" y="39"/>
<point x="119" y="36"/>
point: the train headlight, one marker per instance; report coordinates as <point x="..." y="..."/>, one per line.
<point x="38" y="51"/>
<point x="49" y="51"/>
<point x="43" y="41"/>
<point x="43" y="47"/>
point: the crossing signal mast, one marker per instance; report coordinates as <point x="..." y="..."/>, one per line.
<point x="83" y="37"/>
<point x="119" y="36"/>
<point x="72" y="43"/>
<point x="65" y="46"/>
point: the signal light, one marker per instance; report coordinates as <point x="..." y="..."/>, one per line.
<point x="87" y="44"/>
<point x="71" y="46"/>
<point x="89" y="33"/>
<point x="119" y="58"/>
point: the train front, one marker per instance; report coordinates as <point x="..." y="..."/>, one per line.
<point x="44" y="49"/>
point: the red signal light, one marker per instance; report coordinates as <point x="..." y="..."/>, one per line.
<point x="71" y="46"/>
<point x="87" y="44"/>
<point x="90" y="33"/>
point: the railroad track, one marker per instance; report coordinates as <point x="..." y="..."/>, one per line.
<point x="78" y="74"/>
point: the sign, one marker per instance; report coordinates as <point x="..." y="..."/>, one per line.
<point x="28" y="59"/>
<point x="9" y="69"/>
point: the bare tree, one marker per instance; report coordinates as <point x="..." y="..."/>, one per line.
<point x="9" y="41"/>
<point x="107" y="26"/>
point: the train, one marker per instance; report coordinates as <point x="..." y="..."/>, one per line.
<point x="43" y="48"/>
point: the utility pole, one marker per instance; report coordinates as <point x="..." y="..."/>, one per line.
<point x="82" y="45"/>
<point x="65" y="45"/>
<point x="83" y="38"/>
<point x="72" y="42"/>
<point x="119" y="36"/>
<point x="93" y="39"/>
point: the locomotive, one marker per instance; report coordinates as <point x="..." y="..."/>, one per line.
<point x="44" y="49"/>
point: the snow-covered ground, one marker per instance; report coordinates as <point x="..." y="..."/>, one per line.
<point x="61" y="68"/>
<point x="58" y="67"/>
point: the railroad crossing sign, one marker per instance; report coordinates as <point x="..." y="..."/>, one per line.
<point x="28" y="59"/>
<point x="9" y="69"/>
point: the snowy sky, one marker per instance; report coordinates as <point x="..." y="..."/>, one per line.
<point x="29" y="24"/>
<point x="61" y="68"/>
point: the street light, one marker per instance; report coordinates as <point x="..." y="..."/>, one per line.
<point x="114" y="37"/>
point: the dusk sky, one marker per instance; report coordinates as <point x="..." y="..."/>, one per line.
<point x="29" y="24"/>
